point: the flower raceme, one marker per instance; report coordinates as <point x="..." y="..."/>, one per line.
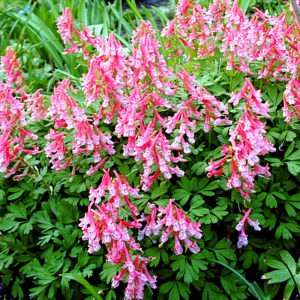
<point x="175" y="221"/>
<point x="247" y="143"/>
<point x="12" y="68"/>
<point x="102" y="224"/>
<point x="241" y="226"/>
<point x="15" y="108"/>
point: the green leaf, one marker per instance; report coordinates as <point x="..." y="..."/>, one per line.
<point x="15" y="195"/>
<point x="198" y="263"/>
<point x="279" y="195"/>
<point x="17" y="290"/>
<point x="84" y="282"/>
<point x="36" y="291"/>
<point x="109" y="271"/>
<point x="10" y="225"/>
<point x="294" y="156"/>
<point x="277" y="276"/>
<point x="289" y="150"/>
<point x="290" y="210"/>
<point x="18" y="210"/>
<point x="271" y="201"/>
<point x="165" y="257"/>
<point x="154" y="252"/>
<point x="165" y="287"/>
<point x="214" y="185"/>
<point x="183" y="290"/>
<point x="275" y="264"/>
<point x="249" y="258"/>
<point x="283" y="231"/>
<point x="181" y="194"/>
<point x="159" y="191"/>
<point x="288" y="260"/>
<point x="220" y="211"/>
<point x="288" y="290"/>
<point x="174" y="293"/>
<point x="189" y="274"/>
<point x="294" y="167"/>
<point x="26" y="228"/>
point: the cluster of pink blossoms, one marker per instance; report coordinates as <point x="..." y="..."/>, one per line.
<point x="103" y="224"/>
<point x="291" y="100"/>
<point x="72" y="122"/>
<point x="16" y="110"/>
<point x="175" y="221"/>
<point x="129" y="87"/>
<point x="247" y="143"/>
<point x="273" y="42"/>
<point x="241" y="226"/>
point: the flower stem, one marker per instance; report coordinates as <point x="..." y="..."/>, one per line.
<point x="12" y="244"/>
<point x="35" y="173"/>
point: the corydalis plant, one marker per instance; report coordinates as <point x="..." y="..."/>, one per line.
<point x="17" y="110"/>
<point x="152" y="112"/>
<point x="103" y="223"/>
<point x="264" y="46"/>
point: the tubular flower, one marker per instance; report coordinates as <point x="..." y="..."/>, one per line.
<point x="102" y="224"/>
<point x="241" y="226"/>
<point x="291" y="100"/>
<point x="247" y="144"/>
<point x="76" y="124"/>
<point x="12" y="68"/>
<point x="176" y="222"/>
<point x="15" y="136"/>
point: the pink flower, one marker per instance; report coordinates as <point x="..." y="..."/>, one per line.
<point x="175" y="221"/>
<point x="241" y="226"/>
<point x="66" y="29"/>
<point x="11" y="67"/>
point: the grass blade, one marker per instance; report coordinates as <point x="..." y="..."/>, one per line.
<point x="82" y="13"/>
<point x="250" y="285"/>
<point x="161" y="15"/>
<point x="244" y="4"/>
<point x="122" y="21"/>
<point x="151" y="19"/>
<point x="53" y="9"/>
<point x="44" y="34"/>
<point x="135" y="10"/>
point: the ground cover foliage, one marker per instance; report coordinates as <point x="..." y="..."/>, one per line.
<point x="153" y="163"/>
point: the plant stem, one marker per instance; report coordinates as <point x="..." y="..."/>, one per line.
<point x="12" y="244"/>
<point x="35" y="173"/>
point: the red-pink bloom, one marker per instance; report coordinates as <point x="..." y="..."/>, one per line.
<point x="67" y="29"/>
<point x="253" y="99"/>
<point x="174" y="221"/>
<point x="247" y="144"/>
<point x="241" y="226"/>
<point x="291" y="100"/>
<point x="11" y="67"/>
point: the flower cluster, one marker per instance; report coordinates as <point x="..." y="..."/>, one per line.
<point x="15" y="108"/>
<point x="176" y="222"/>
<point x="270" y="42"/>
<point x="11" y="67"/>
<point x="247" y="144"/>
<point x="73" y="123"/>
<point x="291" y="100"/>
<point x="136" y="104"/>
<point x="103" y="224"/>
<point x="241" y="226"/>
<point x="121" y="86"/>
